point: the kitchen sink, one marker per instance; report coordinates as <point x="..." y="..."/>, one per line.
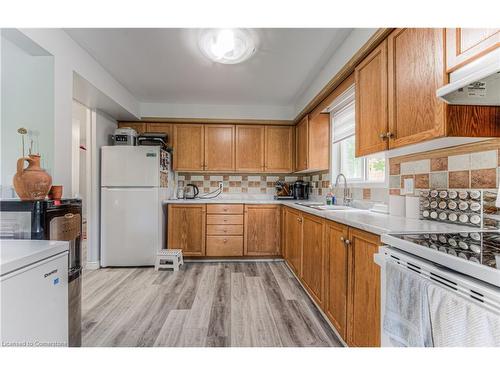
<point x="324" y="207"/>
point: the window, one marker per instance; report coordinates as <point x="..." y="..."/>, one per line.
<point x="369" y="169"/>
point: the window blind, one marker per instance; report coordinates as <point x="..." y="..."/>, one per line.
<point x="342" y="112"/>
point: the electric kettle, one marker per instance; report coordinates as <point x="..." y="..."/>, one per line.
<point x="191" y="191"/>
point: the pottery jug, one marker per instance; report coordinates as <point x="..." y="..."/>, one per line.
<point x="31" y="183"/>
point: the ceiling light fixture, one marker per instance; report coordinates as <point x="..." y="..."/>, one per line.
<point x="228" y="46"/>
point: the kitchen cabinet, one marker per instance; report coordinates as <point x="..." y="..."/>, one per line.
<point x="466" y="45"/>
<point x="139" y="127"/>
<point x="312" y="143"/>
<point x="219" y="148"/>
<point x="293" y="240"/>
<point x="189" y="147"/>
<point x="186" y="228"/>
<point x="372" y="125"/>
<point x="336" y="269"/>
<point x="160" y="127"/>
<point x="313" y="256"/>
<point x="363" y="308"/>
<point x="262" y="230"/>
<point x="415" y="72"/>
<point x="225" y="230"/>
<point x="279" y="149"/>
<point x="250" y="144"/>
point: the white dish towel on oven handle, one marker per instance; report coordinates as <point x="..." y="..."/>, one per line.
<point x="459" y="322"/>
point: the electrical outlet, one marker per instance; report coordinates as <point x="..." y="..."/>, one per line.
<point x="220" y="185"/>
<point x="408" y="186"/>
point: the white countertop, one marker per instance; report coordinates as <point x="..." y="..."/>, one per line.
<point x="362" y="219"/>
<point x="16" y="254"/>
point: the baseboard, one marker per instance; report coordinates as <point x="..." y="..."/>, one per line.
<point x="319" y="308"/>
<point x="231" y="260"/>
<point x="92" y="265"/>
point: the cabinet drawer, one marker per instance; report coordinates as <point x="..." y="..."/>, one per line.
<point x="224" y="246"/>
<point x="225" y="230"/>
<point x="224" y="208"/>
<point x="225" y="219"/>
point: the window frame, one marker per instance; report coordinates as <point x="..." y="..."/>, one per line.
<point x="336" y="155"/>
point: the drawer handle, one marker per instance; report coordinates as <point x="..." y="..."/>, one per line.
<point x="225" y="220"/>
<point x="225" y="209"/>
<point x="225" y="230"/>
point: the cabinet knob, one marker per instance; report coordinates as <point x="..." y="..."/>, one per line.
<point x="225" y="240"/>
<point x="382" y="136"/>
<point x="389" y="135"/>
<point x="347" y="242"/>
<point x="342" y="239"/>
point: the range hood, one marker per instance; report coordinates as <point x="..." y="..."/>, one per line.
<point x="477" y="83"/>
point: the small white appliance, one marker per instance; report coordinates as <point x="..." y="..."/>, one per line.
<point x="134" y="182"/>
<point x="34" y="298"/>
<point x="124" y="137"/>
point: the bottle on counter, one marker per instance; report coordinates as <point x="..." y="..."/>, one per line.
<point x="330" y="198"/>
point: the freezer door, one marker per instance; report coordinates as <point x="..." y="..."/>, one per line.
<point x="123" y="166"/>
<point x="129" y="226"/>
<point x="35" y="304"/>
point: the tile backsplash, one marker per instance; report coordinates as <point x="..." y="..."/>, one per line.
<point x="470" y="170"/>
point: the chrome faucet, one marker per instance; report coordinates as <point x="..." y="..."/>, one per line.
<point x="347" y="198"/>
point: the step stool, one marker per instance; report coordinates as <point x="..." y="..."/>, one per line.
<point x="172" y="259"/>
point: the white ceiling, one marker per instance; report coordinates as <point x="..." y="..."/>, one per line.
<point x="166" y="66"/>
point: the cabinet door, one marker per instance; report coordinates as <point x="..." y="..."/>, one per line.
<point x="250" y="148"/>
<point x="371" y="102"/>
<point x="262" y="230"/>
<point x="293" y="240"/>
<point x="139" y="127"/>
<point x="188" y="147"/>
<point x="219" y="147"/>
<point x="160" y="127"/>
<point x="312" y="256"/>
<point x="279" y="149"/>
<point x="363" y="290"/>
<point x="319" y="142"/>
<point x="336" y="256"/>
<point x="302" y="143"/>
<point x="186" y="228"/>
<point x="466" y="45"/>
<point x="415" y="73"/>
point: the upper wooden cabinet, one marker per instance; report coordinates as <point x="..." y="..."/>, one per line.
<point x="219" y="148"/>
<point x="405" y="107"/>
<point x="250" y="144"/>
<point x="186" y="228"/>
<point x="313" y="256"/>
<point x="336" y="271"/>
<point x="363" y="311"/>
<point x="372" y="123"/>
<point x="279" y="149"/>
<point x="262" y="230"/>
<point x="465" y="45"/>
<point x="415" y="72"/>
<point x="139" y="127"/>
<point x="189" y="147"/>
<point x="312" y="143"/>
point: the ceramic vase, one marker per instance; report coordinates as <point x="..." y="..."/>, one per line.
<point x="31" y="183"/>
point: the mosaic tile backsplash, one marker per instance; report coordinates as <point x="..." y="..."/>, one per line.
<point x="477" y="170"/>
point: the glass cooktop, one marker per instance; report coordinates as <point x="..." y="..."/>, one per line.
<point x="477" y="247"/>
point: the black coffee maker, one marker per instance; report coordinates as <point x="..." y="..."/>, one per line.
<point x="300" y="190"/>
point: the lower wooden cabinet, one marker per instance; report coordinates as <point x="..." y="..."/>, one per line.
<point x="313" y="256"/>
<point x="262" y="230"/>
<point x="363" y="308"/>
<point x="293" y="240"/>
<point x="224" y="246"/>
<point x="186" y="228"/>
<point x="336" y="269"/>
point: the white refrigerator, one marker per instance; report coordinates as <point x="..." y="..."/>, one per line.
<point x="134" y="182"/>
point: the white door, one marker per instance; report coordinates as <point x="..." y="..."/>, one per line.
<point x="35" y="304"/>
<point x="123" y="166"/>
<point x="129" y="226"/>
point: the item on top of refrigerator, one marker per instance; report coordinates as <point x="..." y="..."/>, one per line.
<point x="152" y="139"/>
<point x="124" y="137"/>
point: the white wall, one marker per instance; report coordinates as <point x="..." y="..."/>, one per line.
<point x="356" y="39"/>
<point x="69" y="57"/>
<point x="101" y="127"/>
<point x="27" y="101"/>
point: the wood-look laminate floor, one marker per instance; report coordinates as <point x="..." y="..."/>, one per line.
<point x="253" y="304"/>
